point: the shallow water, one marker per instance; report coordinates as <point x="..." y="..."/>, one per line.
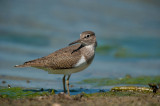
<point x="29" y="30"/>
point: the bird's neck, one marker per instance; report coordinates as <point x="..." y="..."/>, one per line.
<point x="88" y="50"/>
<point x="90" y="47"/>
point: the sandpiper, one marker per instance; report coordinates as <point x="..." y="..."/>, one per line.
<point x="71" y="59"/>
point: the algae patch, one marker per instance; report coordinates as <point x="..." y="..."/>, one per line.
<point x="144" y="80"/>
<point x="113" y="94"/>
<point x="121" y="51"/>
<point x="105" y="49"/>
<point x="17" y="92"/>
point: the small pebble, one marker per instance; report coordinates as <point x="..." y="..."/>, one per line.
<point x="28" y="81"/>
<point x="3" y="82"/>
<point x="71" y="86"/>
<point x="56" y="104"/>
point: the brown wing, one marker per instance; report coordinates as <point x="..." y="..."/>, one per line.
<point x="60" y="59"/>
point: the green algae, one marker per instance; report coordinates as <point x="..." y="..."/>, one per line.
<point x="143" y="80"/>
<point x="118" y="94"/>
<point x="105" y="49"/>
<point x="133" y="89"/>
<point x="119" y="51"/>
<point x="17" y="92"/>
<point x="125" y="53"/>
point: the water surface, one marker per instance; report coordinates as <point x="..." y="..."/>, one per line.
<point x="32" y="29"/>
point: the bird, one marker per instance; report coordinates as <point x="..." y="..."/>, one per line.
<point x="77" y="56"/>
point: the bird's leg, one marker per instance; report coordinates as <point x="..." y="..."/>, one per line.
<point x="64" y="86"/>
<point x="68" y="84"/>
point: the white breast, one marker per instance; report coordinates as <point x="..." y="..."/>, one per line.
<point x="81" y="62"/>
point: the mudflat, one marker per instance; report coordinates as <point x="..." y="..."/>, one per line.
<point x="95" y="99"/>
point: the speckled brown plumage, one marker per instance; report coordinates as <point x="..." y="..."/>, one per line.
<point x="60" y="59"/>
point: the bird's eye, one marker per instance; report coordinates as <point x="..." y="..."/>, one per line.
<point x="87" y="36"/>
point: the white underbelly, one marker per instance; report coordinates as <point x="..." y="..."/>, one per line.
<point x="65" y="71"/>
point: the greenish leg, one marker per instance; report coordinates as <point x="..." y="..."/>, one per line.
<point x="68" y="84"/>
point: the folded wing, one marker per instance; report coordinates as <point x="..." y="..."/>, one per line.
<point x="64" y="58"/>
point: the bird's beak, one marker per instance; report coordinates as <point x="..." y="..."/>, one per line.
<point x="77" y="41"/>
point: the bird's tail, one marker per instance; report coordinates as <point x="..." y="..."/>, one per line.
<point x="23" y="65"/>
<point x="30" y="63"/>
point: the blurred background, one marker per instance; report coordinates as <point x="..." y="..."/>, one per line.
<point x="128" y="35"/>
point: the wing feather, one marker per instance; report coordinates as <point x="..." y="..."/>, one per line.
<point x="61" y="59"/>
